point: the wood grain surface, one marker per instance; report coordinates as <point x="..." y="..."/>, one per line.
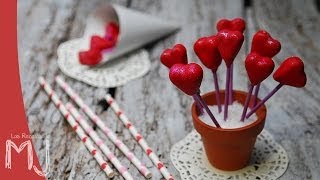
<point x="155" y="106"/>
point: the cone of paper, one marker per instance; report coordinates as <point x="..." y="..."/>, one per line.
<point x="136" y="29"/>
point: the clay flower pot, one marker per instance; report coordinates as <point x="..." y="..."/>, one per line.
<point x="228" y="149"/>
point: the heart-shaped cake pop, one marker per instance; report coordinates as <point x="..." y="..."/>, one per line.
<point x="176" y="55"/>
<point x="237" y="24"/>
<point x="100" y="43"/>
<point x="90" y="57"/>
<point x="264" y="44"/>
<point x="291" y="72"/>
<point x="258" y="67"/>
<point x="187" y="77"/>
<point x="207" y="50"/>
<point x="230" y="43"/>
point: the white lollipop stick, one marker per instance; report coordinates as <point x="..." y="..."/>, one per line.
<point x="87" y="142"/>
<point x="110" y="134"/>
<point x="138" y="137"/>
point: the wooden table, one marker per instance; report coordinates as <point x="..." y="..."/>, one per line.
<point x="160" y="111"/>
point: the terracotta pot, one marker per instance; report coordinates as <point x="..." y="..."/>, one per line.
<point x="228" y="149"/>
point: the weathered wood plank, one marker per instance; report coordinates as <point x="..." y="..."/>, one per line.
<point x="293" y="117"/>
<point x="160" y="111"/>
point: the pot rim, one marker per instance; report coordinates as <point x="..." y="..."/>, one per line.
<point x="261" y="116"/>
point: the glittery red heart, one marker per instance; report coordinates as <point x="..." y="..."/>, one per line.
<point x="237" y="24"/>
<point x="264" y="44"/>
<point x="258" y="67"/>
<point x="291" y="72"/>
<point x="100" y="43"/>
<point x="90" y="57"/>
<point x="176" y="55"/>
<point x="207" y="50"/>
<point x="187" y="77"/>
<point x="230" y="43"/>
<point x="112" y="31"/>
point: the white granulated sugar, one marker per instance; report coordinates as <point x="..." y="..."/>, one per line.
<point x="234" y="116"/>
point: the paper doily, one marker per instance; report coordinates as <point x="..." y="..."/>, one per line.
<point x="111" y="74"/>
<point x="269" y="160"/>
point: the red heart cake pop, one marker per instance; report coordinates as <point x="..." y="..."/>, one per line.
<point x="112" y="31"/>
<point x="187" y="77"/>
<point x="258" y="67"/>
<point x="230" y="43"/>
<point x="291" y="72"/>
<point x="90" y="57"/>
<point x="100" y="43"/>
<point x="207" y="50"/>
<point x="264" y="44"/>
<point x="176" y="55"/>
<point x="237" y="24"/>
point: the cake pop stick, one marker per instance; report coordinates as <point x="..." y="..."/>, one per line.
<point x="188" y="78"/>
<point x="255" y="96"/>
<point x="246" y="104"/>
<point x="198" y="105"/>
<point x="217" y="91"/>
<point x="206" y="48"/>
<point x="231" y="85"/>
<point x="203" y="103"/>
<point x="291" y="73"/>
<point x="258" y="69"/>
<point x="230" y="43"/>
<point x="254" y="109"/>
<point x="226" y="94"/>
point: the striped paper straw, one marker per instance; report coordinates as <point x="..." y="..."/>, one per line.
<point x="113" y="137"/>
<point x="138" y="137"/>
<point x="88" y="143"/>
<point x="110" y="134"/>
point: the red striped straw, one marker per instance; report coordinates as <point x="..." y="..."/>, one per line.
<point x="87" y="142"/>
<point x="138" y="137"/>
<point x="100" y="143"/>
<point x="110" y="134"/>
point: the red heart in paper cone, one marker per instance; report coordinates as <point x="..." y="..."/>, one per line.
<point x="135" y="29"/>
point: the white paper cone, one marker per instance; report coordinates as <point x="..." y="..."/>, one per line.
<point x="136" y="28"/>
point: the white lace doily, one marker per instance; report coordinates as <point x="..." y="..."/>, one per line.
<point x="269" y="160"/>
<point x="111" y="74"/>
